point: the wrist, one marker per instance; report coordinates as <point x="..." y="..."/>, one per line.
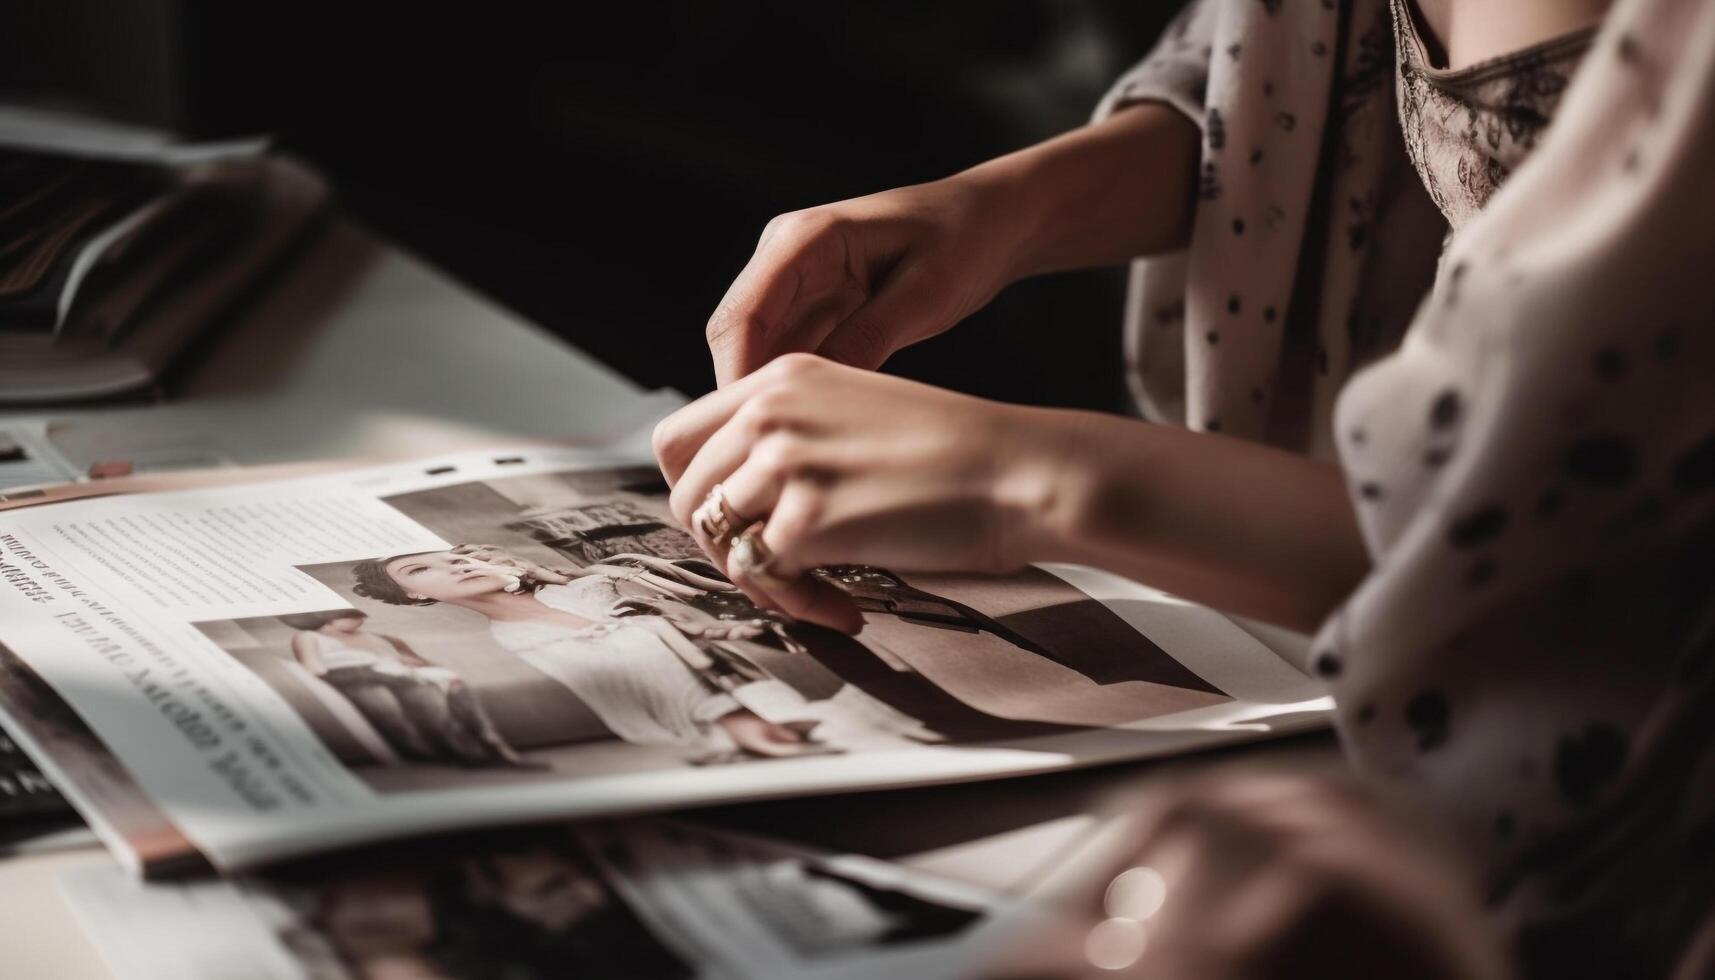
<point x="1098" y="195"/>
<point x="1047" y="495"/>
<point x="1006" y="213"/>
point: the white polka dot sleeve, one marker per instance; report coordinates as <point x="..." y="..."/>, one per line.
<point x="1534" y="652"/>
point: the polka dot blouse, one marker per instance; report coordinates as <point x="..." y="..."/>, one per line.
<point x="1520" y="386"/>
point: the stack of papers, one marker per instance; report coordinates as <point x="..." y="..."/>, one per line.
<point x="274" y="690"/>
<point x="117" y="251"/>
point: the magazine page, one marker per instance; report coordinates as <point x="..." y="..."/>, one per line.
<point x="85" y="770"/>
<point x="24" y="791"/>
<point x="294" y="665"/>
<point x="32" y="811"/>
<point x="641" y="899"/>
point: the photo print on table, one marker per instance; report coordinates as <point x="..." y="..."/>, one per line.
<point x="640" y="899"/>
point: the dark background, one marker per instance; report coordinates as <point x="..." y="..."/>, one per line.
<point x="605" y="170"/>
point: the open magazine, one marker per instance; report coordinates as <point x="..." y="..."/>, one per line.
<point x="237" y="674"/>
<point x="642" y="899"/>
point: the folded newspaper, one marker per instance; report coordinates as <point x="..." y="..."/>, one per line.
<point x="235" y="674"/>
<point x="641" y="899"/>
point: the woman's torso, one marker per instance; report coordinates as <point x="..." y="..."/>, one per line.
<point x="589" y="598"/>
<point x="1468" y="128"/>
<point x="621" y="668"/>
<point x="341" y="652"/>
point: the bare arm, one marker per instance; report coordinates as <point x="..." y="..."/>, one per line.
<point x="959" y="483"/>
<point x="1099" y="195"/>
<point x="304" y="648"/>
<point x="681" y="645"/>
<point x="407" y="655"/>
<point x="1229" y="523"/>
<point x="856" y="280"/>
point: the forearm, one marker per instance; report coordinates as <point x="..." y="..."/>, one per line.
<point x="1239" y="526"/>
<point x="1098" y="195"/>
<point x="306" y="657"/>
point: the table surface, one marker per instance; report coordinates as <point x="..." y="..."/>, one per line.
<point x="362" y="350"/>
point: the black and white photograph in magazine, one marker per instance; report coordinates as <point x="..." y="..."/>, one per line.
<point x="574" y="630"/>
<point x="527" y="908"/>
<point x="643" y="900"/>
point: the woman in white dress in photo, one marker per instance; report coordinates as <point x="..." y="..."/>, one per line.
<point x="425" y="712"/>
<point x="634" y="671"/>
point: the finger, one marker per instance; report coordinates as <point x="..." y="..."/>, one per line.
<point x="777" y="584"/>
<point x="536" y="570"/>
<point x="756" y="301"/>
<point x="747" y="581"/>
<point x="753" y="489"/>
<point x="721" y="454"/>
<point x="490" y="555"/>
<point x="782" y="593"/>
<point x="789" y="529"/>
<point x="714" y="525"/>
<point x="791" y="293"/>
<point x="805" y="598"/>
<point x="552" y="576"/>
<point x="911" y="306"/>
<point x="678" y="437"/>
<point x="806" y="330"/>
<point x="749" y="493"/>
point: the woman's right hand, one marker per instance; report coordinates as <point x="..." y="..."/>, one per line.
<point x="493" y="554"/>
<point x="857" y="280"/>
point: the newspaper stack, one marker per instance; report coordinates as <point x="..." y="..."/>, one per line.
<point x="118" y="248"/>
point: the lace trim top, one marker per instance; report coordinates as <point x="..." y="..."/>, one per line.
<point x="1466" y="129"/>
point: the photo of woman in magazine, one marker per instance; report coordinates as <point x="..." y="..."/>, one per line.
<point x="654" y="669"/>
<point x="639" y="899"/>
<point x="533" y="907"/>
<point x="424" y="712"/>
<point x="590" y="637"/>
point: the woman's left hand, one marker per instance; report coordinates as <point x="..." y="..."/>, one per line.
<point x="493" y="554"/>
<point x="842" y="466"/>
<point x="1263" y="875"/>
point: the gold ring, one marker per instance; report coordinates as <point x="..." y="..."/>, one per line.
<point x="750" y="554"/>
<point x="715" y="519"/>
